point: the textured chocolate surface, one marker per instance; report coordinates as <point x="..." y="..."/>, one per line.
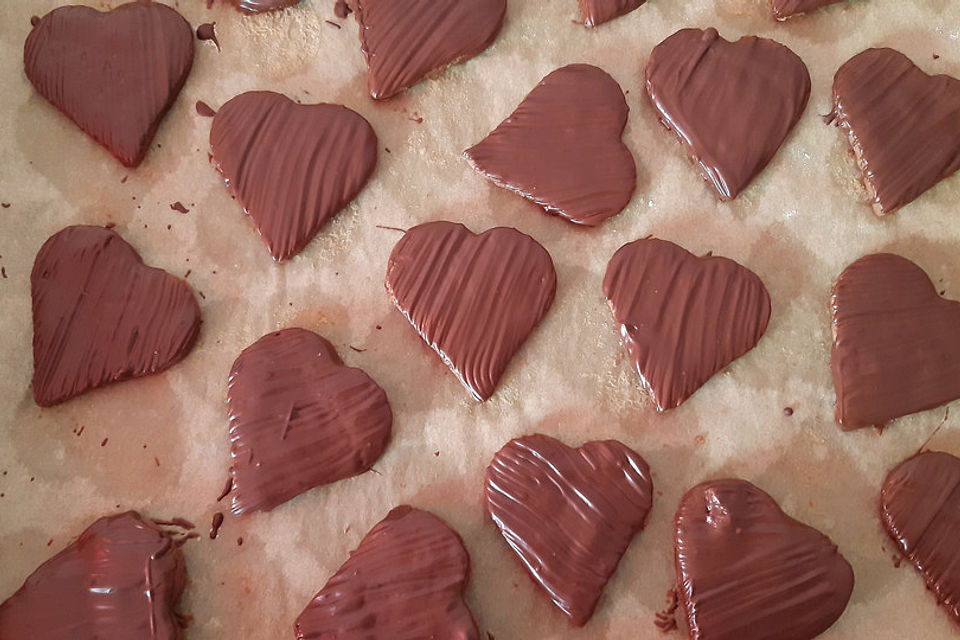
<point x="903" y="125"/>
<point x="732" y="104"/>
<point x="896" y="347"/>
<point x="561" y="147"/>
<point x="299" y="418"/>
<point x="292" y="167"/>
<point x="405" y="581"/>
<point x="101" y="316"/>
<point x="404" y="41"/>
<point x="475" y="299"/>
<point x="569" y="514"/>
<point x="748" y="571"/>
<point x="115" y="74"/>
<point x="681" y="317"/>
<point x="920" y="510"/>
<point x="121" y="579"/>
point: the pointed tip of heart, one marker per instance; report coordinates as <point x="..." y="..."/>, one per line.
<point x="597" y="12"/>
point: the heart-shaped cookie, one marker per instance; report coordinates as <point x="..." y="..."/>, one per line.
<point x="101" y="316"/>
<point x="475" y="299"/>
<point x="920" y="509"/>
<point x="783" y="9"/>
<point x="291" y="166"/>
<point x="404" y="41"/>
<point x="747" y="570"/>
<point x="121" y="579"/>
<point x="115" y="74"/>
<point x="561" y="147"/>
<point x="682" y="318"/>
<point x="405" y="581"/>
<point x="896" y="346"/>
<point x="569" y="514"/>
<point x="597" y="12"/>
<point x="903" y="125"/>
<point x="299" y="419"/>
<point x="732" y="104"/>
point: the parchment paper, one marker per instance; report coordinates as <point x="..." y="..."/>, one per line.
<point x="160" y="444"/>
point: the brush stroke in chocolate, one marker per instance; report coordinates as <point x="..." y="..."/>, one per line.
<point x="569" y="514"/>
<point x="121" y="579"/>
<point x="746" y="570"/>
<point x="114" y="74"/>
<point x="292" y="167"/>
<point x="473" y="298"/>
<point x="406" y="581"/>
<point x="561" y="147"/>
<point x="262" y="6"/>
<point x="731" y="104"/>
<point x="101" y="316"/>
<point x="681" y="317"/>
<point x="896" y="342"/>
<point x="903" y="125"/>
<point x="596" y="12"/>
<point x="783" y="9"/>
<point x="299" y="419"/>
<point x="405" y="41"/>
<point x="920" y="510"/>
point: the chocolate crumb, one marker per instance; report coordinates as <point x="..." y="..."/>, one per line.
<point x="80" y="431"/>
<point x="387" y="149"/>
<point x="104" y="443"/>
<point x="788" y="411"/>
<point x="3" y="272"/>
<point x="666" y="620"/>
<point x="5" y="205"/>
<point x="201" y="295"/>
<point x="215" y="525"/>
<point x="240" y="542"/>
<point x="341" y="9"/>
<point x="936" y="57"/>
<point x="178" y="206"/>
<point x="332" y="23"/>
<point x="123" y="180"/>
<point x="49" y="542"/>
<point x="34" y="20"/>
<point x="379" y="327"/>
<point x="206" y="32"/>
<point x="156" y="460"/>
<point x="187" y="274"/>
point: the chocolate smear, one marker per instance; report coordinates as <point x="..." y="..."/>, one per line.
<point x="178" y="207"/>
<point x="215" y="525"/>
<point x="569" y="514"/>
<point x="561" y="147"/>
<point x="341" y="9"/>
<point x="597" y="12"/>
<point x="406" y="581"/>
<point x="261" y="6"/>
<point x="205" y="110"/>
<point x="475" y="299"/>
<point x="903" y="125"/>
<point x="207" y="31"/>
<point x="732" y="104"/>
<point x="783" y="9"/>
<point x="747" y="570"/>
<point x="682" y="318"/>
<point x="291" y="167"/>
<point x="299" y="419"/>
<point x="404" y="41"/>
<point x="920" y="510"/>
<point x="121" y="579"/>
<point x="101" y="316"/>
<point x="114" y="74"/>
<point x="896" y="347"/>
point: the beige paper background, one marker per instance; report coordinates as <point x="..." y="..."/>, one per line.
<point x="797" y="226"/>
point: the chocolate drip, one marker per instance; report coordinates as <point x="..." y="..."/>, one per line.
<point x="682" y="318"/>
<point x="569" y="514"/>
<point x="405" y="581"/>
<point x="561" y="147"/>
<point x="475" y="299"/>
<point x="299" y="419"/>
<point x="101" y="316"/>
<point x="896" y="347"/>
<point x="115" y="74"/>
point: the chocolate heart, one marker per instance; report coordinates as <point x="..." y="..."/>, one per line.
<point x="561" y="147"/>
<point x="115" y="74"/>
<point x="404" y="41"/>
<point x="903" y="125"/>
<point x="405" y="581"/>
<point x="896" y="346"/>
<point x="682" y="318"/>
<point x="121" y="579"/>
<point x="732" y="104"/>
<point x="291" y="167"/>
<point x="261" y="6"/>
<point x="299" y="419"/>
<point x="597" y="12"/>
<point x="747" y="570"/>
<point x="783" y="9"/>
<point x="920" y="509"/>
<point x="569" y="514"/>
<point x="474" y="299"/>
<point x="101" y="316"/>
